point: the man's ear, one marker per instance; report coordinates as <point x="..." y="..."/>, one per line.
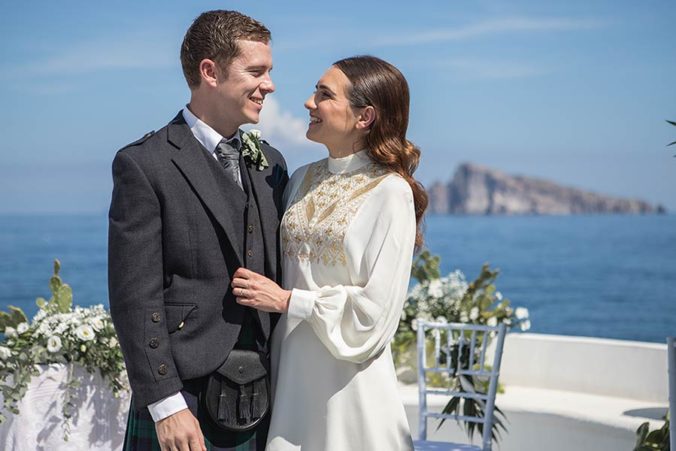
<point x="366" y="118"/>
<point x="208" y="70"/>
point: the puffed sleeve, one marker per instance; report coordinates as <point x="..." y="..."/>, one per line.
<point x="356" y="322"/>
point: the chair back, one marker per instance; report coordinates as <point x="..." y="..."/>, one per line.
<point x="460" y="350"/>
<point x="671" y="358"/>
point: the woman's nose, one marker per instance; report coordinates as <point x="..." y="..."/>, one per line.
<point x="310" y="103"/>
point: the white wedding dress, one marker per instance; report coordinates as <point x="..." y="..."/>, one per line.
<point x="347" y="243"/>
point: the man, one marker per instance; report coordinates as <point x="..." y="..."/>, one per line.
<point x="189" y="207"/>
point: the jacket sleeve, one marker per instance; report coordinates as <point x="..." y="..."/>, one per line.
<point x="356" y="322"/>
<point x="135" y="283"/>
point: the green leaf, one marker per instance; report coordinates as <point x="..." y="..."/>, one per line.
<point x="18" y="316"/>
<point x="41" y="302"/>
<point x="64" y="298"/>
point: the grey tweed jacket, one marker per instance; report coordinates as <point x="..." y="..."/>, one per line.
<point x="173" y="246"/>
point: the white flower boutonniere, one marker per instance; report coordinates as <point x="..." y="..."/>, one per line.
<point x="251" y="149"/>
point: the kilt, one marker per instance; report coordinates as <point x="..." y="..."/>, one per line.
<point x="141" y="435"/>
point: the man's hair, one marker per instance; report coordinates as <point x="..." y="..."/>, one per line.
<point x="213" y="35"/>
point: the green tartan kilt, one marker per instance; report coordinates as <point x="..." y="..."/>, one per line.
<point x="141" y="435"/>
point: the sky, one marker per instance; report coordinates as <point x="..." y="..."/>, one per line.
<point x="573" y="91"/>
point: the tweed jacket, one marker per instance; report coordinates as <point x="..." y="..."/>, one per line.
<point x="174" y="244"/>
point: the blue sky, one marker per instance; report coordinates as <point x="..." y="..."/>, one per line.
<point x="574" y="91"/>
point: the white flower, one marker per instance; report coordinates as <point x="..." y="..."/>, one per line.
<point x="521" y="313"/>
<point x="524" y="325"/>
<point x="434" y="289"/>
<point x="85" y="332"/>
<point x="441" y="319"/>
<point x="10" y="332"/>
<point x="492" y="321"/>
<point x="474" y="313"/>
<point x="97" y="324"/>
<point x="414" y="324"/>
<point x="255" y="133"/>
<point x="463" y="317"/>
<point x="5" y="353"/>
<point x="498" y="296"/>
<point x="22" y="328"/>
<point x="54" y="344"/>
<point x="113" y="342"/>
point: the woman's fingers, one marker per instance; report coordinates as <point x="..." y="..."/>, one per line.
<point x="244" y="273"/>
<point x="238" y="282"/>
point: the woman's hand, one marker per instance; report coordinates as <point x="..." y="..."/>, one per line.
<point x="253" y="290"/>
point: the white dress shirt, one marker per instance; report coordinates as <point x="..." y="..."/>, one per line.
<point x="209" y="138"/>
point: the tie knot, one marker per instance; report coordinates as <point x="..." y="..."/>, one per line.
<point x="229" y="148"/>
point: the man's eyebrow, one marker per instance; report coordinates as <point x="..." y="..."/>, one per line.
<point x="259" y="67"/>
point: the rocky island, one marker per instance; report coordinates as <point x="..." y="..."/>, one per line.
<point x="477" y="190"/>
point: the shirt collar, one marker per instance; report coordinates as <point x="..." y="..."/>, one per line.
<point x="207" y="136"/>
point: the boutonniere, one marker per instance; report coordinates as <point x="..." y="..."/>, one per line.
<point x="251" y="149"/>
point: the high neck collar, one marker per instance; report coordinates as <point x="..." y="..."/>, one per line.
<point x="349" y="163"/>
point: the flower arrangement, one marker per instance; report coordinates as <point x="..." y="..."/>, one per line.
<point x="452" y="299"/>
<point x="251" y="149"/>
<point x="58" y="333"/>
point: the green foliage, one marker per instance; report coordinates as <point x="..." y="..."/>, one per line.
<point x="657" y="440"/>
<point x="12" y="318"/>
<point x="62" y="295"/>
<point x="426" y="267"/>
<point x="452" y="299"/>
<point x="61" y="334"/>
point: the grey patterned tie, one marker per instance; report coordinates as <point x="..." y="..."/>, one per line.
<point x="227" y="153"/>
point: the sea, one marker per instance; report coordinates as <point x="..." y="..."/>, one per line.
<point x="611" y="276"/>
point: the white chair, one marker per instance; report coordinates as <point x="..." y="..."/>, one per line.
<point x="459" y="349"/>
<point x="671" y="358"/>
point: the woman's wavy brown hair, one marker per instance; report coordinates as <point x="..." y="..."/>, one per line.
<point x="379" y="84"/>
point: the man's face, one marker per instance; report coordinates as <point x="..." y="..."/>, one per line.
<point x="241" y="91"/>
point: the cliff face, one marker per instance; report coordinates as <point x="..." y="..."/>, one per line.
<point x="479" y="190"/>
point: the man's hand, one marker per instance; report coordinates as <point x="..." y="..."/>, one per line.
<point x="180" y="432"/>
<point x="253" y="290"/>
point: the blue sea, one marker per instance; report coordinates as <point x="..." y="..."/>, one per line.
<point x="602" y="276"/>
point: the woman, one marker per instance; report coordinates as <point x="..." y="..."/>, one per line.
<point x="348" y="235"/>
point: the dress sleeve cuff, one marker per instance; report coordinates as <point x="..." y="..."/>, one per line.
<point x="166" y="407"/>
<point x="301" y="303"/>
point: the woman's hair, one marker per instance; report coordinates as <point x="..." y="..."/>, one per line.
<point x="379" y="84"/>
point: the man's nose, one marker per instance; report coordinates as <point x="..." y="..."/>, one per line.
<point x="268" y="85"/>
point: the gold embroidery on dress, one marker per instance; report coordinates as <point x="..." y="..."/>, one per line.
<point x="314" y="226"/>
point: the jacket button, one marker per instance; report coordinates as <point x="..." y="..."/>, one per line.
<point x="162" y="369"/>
<point x="249" y="253"/>
<point x="155" y="317"/>
<point x="154" y="342"/>
<point x="240" y="369"/>
<point x="250" y="228"/>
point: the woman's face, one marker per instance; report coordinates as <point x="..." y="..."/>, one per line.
<point x="332" y="119"/>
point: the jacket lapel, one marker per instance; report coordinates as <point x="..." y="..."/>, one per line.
<point x="191" y="161"/>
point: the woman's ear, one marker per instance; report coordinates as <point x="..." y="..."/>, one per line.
<point x="208" y="70"/>
<point x="366" y="118"/>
